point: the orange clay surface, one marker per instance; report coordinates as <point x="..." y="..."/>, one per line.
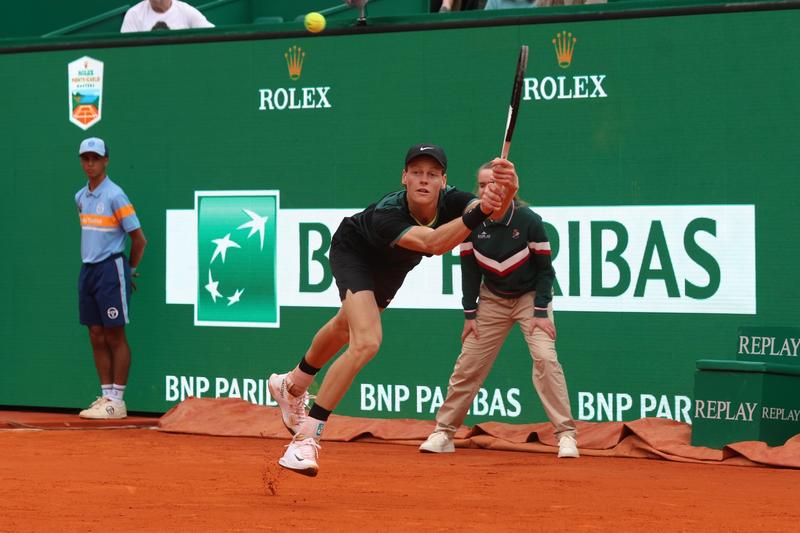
<point x="146" y="480"/>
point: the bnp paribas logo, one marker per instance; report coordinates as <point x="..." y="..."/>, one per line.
<point x="294" y="97"/>
<point x="233" y="274"/>
<point x="560" y="87"/>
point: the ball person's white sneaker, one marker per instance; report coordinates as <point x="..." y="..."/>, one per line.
<point x="293" y="408"/>
<point x="105" y="409"/>
<point x="89" y="410"/>
<point x="568" y="447"/>
<point x="301" y="456"/>
<point x="438" y="442"/>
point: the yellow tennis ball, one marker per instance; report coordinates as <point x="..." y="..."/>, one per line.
<point x="314" y="22"/>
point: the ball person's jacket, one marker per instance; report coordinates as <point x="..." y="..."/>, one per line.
<point x="511" y="257"/>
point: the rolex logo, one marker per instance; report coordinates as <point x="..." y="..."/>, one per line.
<point x="564" y="44"/>
<point x="294" y="97"/>
<point x="558" y="88"/>
<point x="294" y="60"/>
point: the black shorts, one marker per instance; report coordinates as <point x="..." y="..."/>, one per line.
<point x="355" y="270"/>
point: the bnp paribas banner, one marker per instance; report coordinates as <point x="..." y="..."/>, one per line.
<point x="646" y="259"/>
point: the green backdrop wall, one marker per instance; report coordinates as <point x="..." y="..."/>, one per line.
<point x="663" y="154"/>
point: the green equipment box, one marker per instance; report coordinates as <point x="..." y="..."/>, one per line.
<point x="737" y="400"/>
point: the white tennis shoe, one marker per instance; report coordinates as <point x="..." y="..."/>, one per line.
<point x="438" y="442"/>
<point x="105" y="409"/>
<point x="293" y="408"/>
<point x="568" y="447"/>
<point x="301" y="456"/>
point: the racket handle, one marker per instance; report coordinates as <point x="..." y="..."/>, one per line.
<point x="504" y="151"/>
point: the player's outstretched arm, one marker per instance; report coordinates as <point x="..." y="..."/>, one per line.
<point x="448" y="236"/>
<point x="435" y="241"/>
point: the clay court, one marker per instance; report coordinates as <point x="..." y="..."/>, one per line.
<point x="72" y="478"/>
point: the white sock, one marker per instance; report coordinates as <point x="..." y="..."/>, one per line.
<point x="105" y="390"/>
<point x="117" y="392"/>
<point x="311" y="427"/>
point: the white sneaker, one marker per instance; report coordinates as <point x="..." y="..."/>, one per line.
<point x="568" y="447"/>
<point x="293" y="408"/>
<point x="301" y="456"/>
<point x="438" y="442"/>
<point x="104" y="409"/>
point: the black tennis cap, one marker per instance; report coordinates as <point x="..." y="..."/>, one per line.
<point x="436" y="152"/>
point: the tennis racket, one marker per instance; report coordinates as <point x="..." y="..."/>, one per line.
<point x="516" y="93"/>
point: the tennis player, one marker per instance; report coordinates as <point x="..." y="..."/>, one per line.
<point x="371" y="253"/>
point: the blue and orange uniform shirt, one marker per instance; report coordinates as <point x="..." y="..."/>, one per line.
<point x="106" y="216"/>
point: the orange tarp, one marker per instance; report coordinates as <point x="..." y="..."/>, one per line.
<point x="653" y="438"/>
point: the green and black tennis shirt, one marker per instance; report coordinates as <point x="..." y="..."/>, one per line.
<point x="375" y="231"/>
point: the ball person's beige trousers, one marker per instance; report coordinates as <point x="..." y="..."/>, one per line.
<point x="496" y="317"/>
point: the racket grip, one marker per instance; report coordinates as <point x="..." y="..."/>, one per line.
<point x="506" y="148"/>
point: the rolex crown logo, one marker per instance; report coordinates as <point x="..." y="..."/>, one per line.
<point x="294" y="60"/>
<point x="564" y="44"/>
